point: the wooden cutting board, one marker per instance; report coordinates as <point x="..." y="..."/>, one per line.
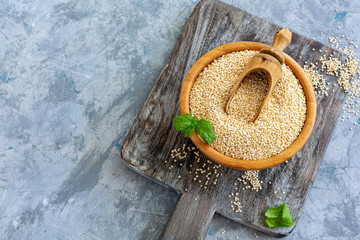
<point x="147" y="148"/>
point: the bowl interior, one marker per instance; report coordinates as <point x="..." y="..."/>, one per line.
<point x="239" y="163"/>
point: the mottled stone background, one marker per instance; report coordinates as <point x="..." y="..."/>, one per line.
<point x="73" y="76"/>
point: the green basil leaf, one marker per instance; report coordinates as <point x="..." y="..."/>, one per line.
<point x="273" y="222"/>
<point x="189" y="131"/>
<point x="279" y="216"/>
<point x="205" y="130"/>
<point x="184" y="121"/>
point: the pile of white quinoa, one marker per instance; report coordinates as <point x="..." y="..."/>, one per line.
<point x="277" y="126"/>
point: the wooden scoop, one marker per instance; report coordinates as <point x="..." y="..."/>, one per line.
<point x="268" y="61"/>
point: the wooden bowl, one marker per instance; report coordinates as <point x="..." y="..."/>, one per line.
<point x="239" y="163"/>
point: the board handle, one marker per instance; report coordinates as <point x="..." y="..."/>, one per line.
<point x="190" y="219"/>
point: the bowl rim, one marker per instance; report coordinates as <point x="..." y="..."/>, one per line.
<point x="222" y="159"/>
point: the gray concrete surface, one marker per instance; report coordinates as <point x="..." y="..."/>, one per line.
<point x="74" y="74"/>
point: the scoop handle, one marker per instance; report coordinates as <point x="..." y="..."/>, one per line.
<point x="282" y="39"/>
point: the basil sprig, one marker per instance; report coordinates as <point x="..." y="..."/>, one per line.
<point x="278" y="216"/>
<point x="188" y="124"/>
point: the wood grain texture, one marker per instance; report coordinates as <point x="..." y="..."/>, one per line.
<point x="152" y="137"/>
<point x="190" y="219"/>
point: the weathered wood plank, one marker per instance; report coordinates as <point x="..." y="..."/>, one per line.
<point x="191" y="218"/>
<point x="152" y="136"/>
